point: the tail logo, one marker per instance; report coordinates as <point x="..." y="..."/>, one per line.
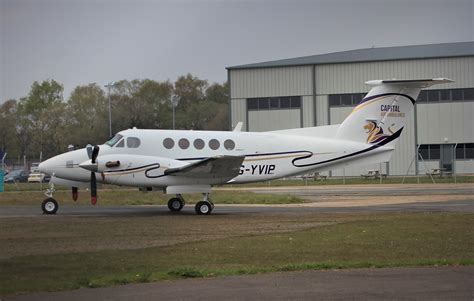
<point x="375" y="132"/>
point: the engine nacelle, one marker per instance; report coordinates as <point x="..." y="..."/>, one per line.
<point x="131" y="170"/>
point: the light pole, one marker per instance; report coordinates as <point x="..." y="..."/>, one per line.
<point x="174" y="103"/>
<point x="108" y="86"/>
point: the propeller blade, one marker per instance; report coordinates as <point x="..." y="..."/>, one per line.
<point x="89" y="150"/>
<point x="75" y="194"/>
<point x="95" y="153"/>
<point x="93" y="189"/>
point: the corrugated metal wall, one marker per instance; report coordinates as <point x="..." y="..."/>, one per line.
<point x="268" y="82"/>
<point x="451" y="121"/>
<point x="322" y="110"/>
<point x="260" y="121"/>
<point x="238" y="108"/>
<point x="307" y="103"/>
<point x="350" y="78"/>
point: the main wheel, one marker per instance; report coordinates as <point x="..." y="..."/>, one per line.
<point x="203" y="207"/>
<point x="175" y="204"/>
<point x="49" y="206"/>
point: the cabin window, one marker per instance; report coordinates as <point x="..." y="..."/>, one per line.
<point x="168" y="143"/>
<point x="133" y="142"/>
<point x="183" y="143"/>
<point x="214" y="144"/>
<point x="121" y="143"/>
<point x="229" y="144"/>
<point x="199" y="143"/>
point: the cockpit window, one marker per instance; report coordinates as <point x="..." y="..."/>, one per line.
<point x="133" y="142"/>
<point x="121" y="143"/>
<point x="114" y="140"/>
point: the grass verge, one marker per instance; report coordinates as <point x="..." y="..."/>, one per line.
<point x="382" y="240"/>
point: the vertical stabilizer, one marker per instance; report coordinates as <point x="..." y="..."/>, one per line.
<point x="381" y="116"/>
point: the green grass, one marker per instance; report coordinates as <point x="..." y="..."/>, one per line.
<point x="382" y="240"/>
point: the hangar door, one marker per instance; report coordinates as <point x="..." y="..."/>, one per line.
<point x="274" y="113"/>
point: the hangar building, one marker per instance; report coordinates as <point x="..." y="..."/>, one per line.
<point x="322" y="89"/>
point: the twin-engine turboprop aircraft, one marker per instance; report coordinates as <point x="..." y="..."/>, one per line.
<point x="180" y="162"/>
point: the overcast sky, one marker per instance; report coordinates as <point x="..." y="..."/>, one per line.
<point x="82" y="41"/>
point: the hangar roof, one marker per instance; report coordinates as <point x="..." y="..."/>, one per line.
<point x="373" y="54"/>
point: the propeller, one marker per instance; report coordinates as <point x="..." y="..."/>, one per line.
<point x="94" y="154"/>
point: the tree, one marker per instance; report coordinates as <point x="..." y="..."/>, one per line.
<point x="141" y="104"/>
<point x="87" y="116"/>
<point x="8" y="114"/>
<point x="190" y="89"/>
<point x="41" y="119"/>
<point x="218" y="93"/>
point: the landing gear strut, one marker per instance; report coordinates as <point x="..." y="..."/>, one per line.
<point x="49" y="205"/>
<point x="205" y="206"/>
<point x="176" y="204"/>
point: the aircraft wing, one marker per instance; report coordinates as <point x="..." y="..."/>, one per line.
<point x="214" y="167"/>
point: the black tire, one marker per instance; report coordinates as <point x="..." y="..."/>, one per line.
<point x="203" y="207"/>
<point x="49" y="206"/>
<point x="175" y="204"/>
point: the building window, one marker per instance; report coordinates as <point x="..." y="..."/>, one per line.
<point x="469" y="150"/>
<point x="342" y="100"/>
<point x="446" y="95"/>
<point x="274" y="103"/>
<point x="429" y="151"/>
<point x="425" y="96"/>
<point x="432" y="151"/>
<point x="465" y="151"/>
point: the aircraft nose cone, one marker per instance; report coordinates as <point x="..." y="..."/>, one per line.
<point x="47" y="167"/>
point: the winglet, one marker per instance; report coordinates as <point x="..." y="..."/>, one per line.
<point x="238" y="127"/>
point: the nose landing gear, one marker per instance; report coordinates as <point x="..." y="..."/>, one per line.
<point x="49" y="205"/>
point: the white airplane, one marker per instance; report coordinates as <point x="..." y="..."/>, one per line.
<point x="180" y="162"/>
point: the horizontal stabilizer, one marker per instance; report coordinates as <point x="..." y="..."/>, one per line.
<point x="419" y="83"/>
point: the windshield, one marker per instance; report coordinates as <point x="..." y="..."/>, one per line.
<point x="114" y="140"/>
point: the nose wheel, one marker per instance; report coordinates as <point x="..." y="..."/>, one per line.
<point x="49" y="206"/>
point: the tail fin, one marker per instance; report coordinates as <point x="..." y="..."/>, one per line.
<point x="380" y="117"/>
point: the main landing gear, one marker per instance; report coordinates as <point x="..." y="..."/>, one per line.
<point x="205" y="206"/>
<point x="202" y="207"/>
<point x="176" y="204"/>
<point x="49" y="205"/>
